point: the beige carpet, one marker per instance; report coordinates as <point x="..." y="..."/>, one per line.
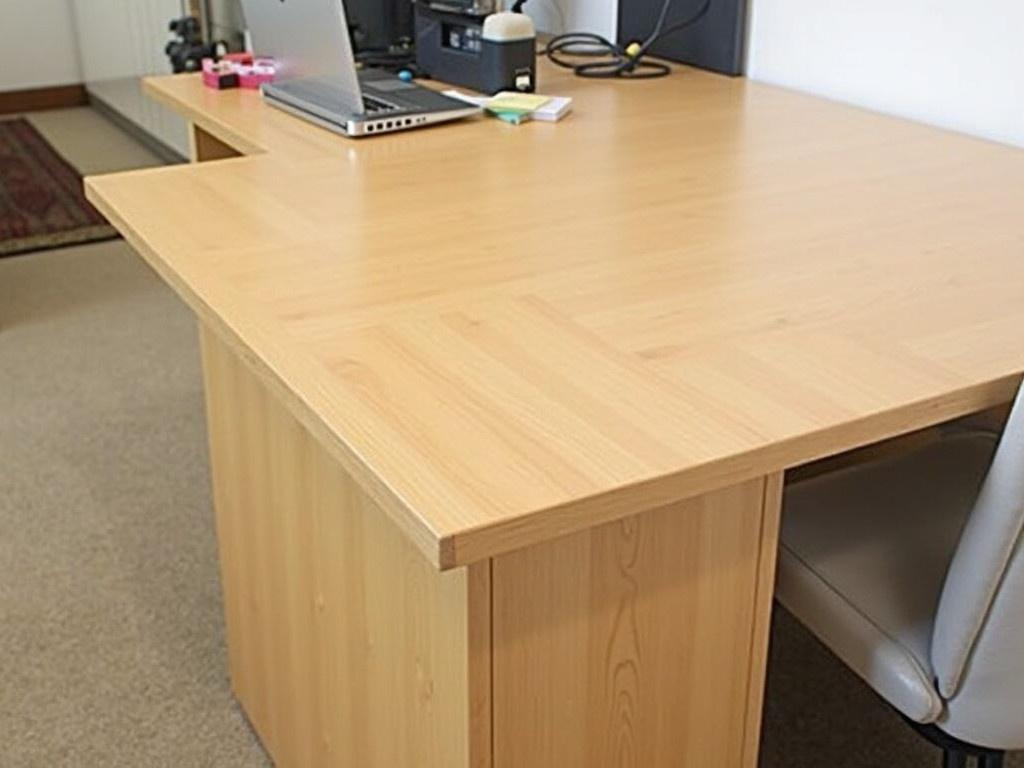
<point x="111" y="637"/>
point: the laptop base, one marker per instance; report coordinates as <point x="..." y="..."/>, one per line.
<point x="411" y="106"/>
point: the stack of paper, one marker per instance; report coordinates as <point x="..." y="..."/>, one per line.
<point x="516" y="108"/>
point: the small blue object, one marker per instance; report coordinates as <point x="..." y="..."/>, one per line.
<point x="405" y="76"/>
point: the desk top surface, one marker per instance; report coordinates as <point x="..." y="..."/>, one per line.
<point x="512" y="333"/>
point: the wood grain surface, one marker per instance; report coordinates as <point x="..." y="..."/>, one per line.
<point x="204" y="147"/>
<point x="347" y="648"/>
<point x="507" y="334"/>
<point x="641" y="642"/>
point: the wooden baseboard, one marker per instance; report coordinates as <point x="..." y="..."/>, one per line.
<point x="35" y="99"/>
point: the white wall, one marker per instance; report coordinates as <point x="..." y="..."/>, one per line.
<point x="600" y="16"/>
<point x="120" y="42"/>
<point x="953" y="63"/>
<point x="37" y="44"/>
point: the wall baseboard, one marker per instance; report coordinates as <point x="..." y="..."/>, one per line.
<point x="35" y="99"/>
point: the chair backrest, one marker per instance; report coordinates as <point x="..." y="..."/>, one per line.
<point x="978" y="641"/>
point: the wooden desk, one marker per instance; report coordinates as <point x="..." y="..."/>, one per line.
<point x="499" y="415"/>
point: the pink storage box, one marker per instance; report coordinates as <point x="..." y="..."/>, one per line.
<point x="232" y="73"/>
<point x="256" y="74"/>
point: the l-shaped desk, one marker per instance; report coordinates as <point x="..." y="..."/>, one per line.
<point x="498" y="415"/>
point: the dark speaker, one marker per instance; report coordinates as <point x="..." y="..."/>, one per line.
<point x="715" y="42"/>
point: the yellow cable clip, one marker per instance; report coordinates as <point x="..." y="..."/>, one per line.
<point x="633" y="50"/>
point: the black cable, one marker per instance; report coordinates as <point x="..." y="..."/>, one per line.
<point x="615" y="60"/>
<point x="612" y="61"/>
<point x="689" y="22"/>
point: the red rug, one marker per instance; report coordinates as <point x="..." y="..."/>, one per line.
<point x="42" y="203"/>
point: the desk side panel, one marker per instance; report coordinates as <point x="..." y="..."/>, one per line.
<point x="640" y="643"/>
<point x="204" y="147"/>
<point x="346" y="646"/>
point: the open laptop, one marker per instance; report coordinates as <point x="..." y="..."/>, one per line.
<point x="318" y="80"/>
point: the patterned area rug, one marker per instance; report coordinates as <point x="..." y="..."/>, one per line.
<point x="42" y="203"/>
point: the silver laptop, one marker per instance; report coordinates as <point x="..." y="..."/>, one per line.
<point x="318" y="80"/>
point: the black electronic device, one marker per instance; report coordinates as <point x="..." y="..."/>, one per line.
<point x="488" y="52"/>
<point x="713" y="42"/>
<point x="188" y="49"/>
<point x="379" y="25"/>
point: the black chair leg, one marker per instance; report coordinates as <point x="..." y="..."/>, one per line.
<point x="956" y="753"/>
<point x="991" y="760"/>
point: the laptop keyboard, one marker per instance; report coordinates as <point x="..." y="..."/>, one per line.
<point x="328" y="95"/>
<point x="376" y="106"/>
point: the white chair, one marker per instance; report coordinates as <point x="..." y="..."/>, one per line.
<point x="911" y="569"/>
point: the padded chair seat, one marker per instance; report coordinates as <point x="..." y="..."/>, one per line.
<point x="864" y="556"/>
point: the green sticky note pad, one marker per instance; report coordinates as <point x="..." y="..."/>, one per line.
<point x="517" y="102"/>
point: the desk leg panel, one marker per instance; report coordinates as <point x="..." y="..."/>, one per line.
<point x="204" y="147"/>
<point x="640" y="643"/>
<point x="346" y="646"/>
